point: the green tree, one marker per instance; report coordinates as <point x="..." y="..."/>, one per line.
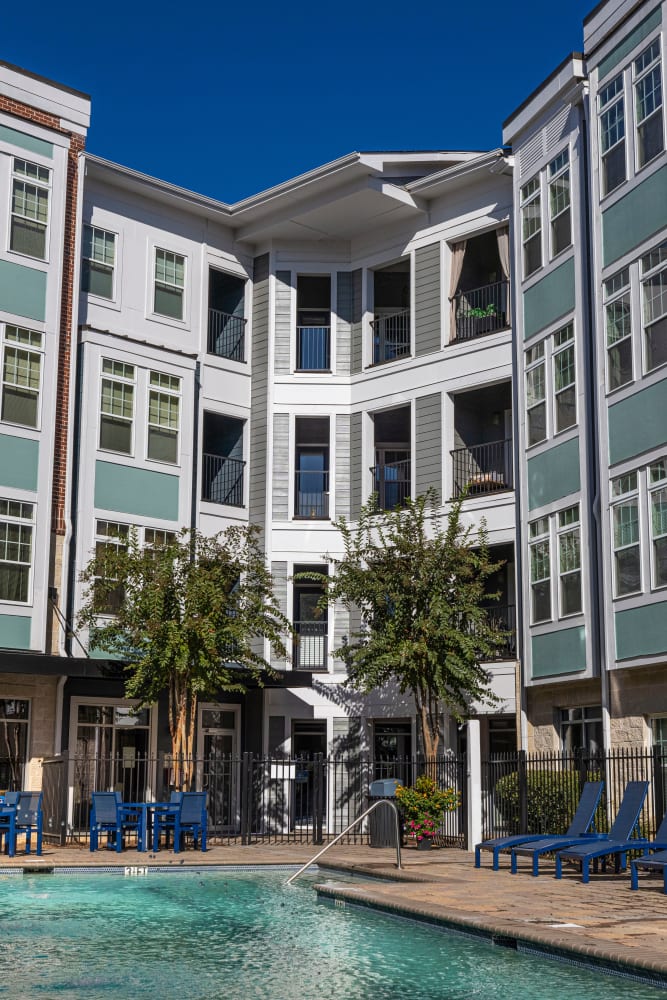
<point x="417" y="581"/>
<point x="185" y="616"/>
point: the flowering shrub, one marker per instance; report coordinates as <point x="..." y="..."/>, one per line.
<point x="423" y="805"/>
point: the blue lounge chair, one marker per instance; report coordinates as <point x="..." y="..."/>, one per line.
<point x="651" y="862"/>
<point x="108" y="816"/>
<point x="620" y="839"/>
<point x="581" y="821"/>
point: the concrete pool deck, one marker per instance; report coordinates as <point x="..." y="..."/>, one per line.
<point x="603" y="922"/>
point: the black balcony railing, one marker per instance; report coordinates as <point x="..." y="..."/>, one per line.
<point x="313" y="352"/>
<point x="222" y="480"/>
<point x="226" y="335"/>
<point x="391" y="482"/>
<point x="483" y="468"/>
<point x="482" y="310"/>
<point x="310" y="645"/>
<point x="312" y="495"/>
<point x="391" y="337"/>
<point x="503" y="616"/>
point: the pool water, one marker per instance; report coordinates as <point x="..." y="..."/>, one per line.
<point x="245" y="935"/>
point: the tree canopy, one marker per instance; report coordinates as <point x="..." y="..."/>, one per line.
<point x="417" y="581"/>
<point x="187" y="616"/>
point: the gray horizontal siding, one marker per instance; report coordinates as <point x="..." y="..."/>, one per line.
<point x="341" y="628"/>
<point x="428" y="434"/>
<point x="342" y="484"/>
<point x="356" y="321"/>
<point x="279" y="573"/>
<point x="428" y="336"/>
<point x="258" y="407"/>
<point x="355" y="465"/>
<point x="281" y="466"/>
<point x="344" y="323"/>
<point x="283" y="322"/>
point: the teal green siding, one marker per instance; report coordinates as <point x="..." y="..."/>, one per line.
<point x="553" y="474"/>
<point x="619" y="53"/>
<point x="127" y="490"/>
<point x="557" y="653"/>
<point x="22" y="290"/>
<point x="19" y="460"/>
<point x="635" y="218"/>
<point x="25" y="141"/>
<point x="638" y="423"/>
<point x="548" y="299"/>
<point x="15" y="631"/>
<point x="641" y="631"/>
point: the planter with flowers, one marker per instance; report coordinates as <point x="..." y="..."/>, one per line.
<point x="423" y="806"/>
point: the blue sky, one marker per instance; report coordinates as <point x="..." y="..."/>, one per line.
<point x="230" y="98"/>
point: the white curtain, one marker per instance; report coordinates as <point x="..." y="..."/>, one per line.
<point x="458" y="254"/>
<point x="503" y="237"/>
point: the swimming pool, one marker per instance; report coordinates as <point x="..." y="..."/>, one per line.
<point x="243" y="934"/>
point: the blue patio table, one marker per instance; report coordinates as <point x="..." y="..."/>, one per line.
<point x="159" y="813"/>
<point x="136" y="811"/>
<point x="8" y="827"/>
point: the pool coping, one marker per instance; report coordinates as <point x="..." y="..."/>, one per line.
<point x="503" y="933"/>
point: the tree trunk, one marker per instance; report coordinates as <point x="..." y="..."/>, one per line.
<point x="182" y="722"/>
<point x="428" y="723"/>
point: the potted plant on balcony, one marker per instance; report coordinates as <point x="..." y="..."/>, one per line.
<point x="483" y="317"/>
<point x="423" y="806"/>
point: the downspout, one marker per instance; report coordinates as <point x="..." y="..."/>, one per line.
<point x="598" y="636"/>
<point x="76" y="456"/>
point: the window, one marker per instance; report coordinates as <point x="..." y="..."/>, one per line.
<point x="14" y="718"/>
<point x="612" y="135"/>
<point x="163" y="417"/>
<point x="551" y="363"/>
<point x="536" y="406"/>
<point x="653" y="267"/>
<point x="169" y="284"/>
<point x="311" y="490"/>
<point x="313" y="323"/>
<point x="540" y="572"/>
<point x="657" y="492"/>
<point x="157" y="538"/>
<point x="581" y="729"/>
<point x="16" y="528"/>
<point x="310" y="622"/>
<point x="625" y="521"/>
<point x="565" y="397"/>
<point x="113" y="740"/>
<point x="648" y="104"/>
<point x="531" y="226"/>
<point x="99" y="259"/>
<point x="110" y="536"/>
<point x="569" y="560"/>
<point x="30" y="209"/>
<point x="559" y="202"/>
<point x="117" y="406"/>
<point x="21" y="376"/>
<point x="618" y="325"/>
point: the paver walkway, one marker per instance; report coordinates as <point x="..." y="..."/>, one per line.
<point x="604" y="921"/>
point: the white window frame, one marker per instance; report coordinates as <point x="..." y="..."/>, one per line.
<point x="94" y="262"/>
<point x="539" y="534"/>
<point x="611" y="100"/>
<point x="550" y="532"/>
<point x="41" y="182"/>
<point x="117" y="374"/>
<point x="30" y="343"/>
<point x="657" y="269"/>
<point x="568" y="526"/>
<point x="536" y="361"/>
<point x="544" y="354"/>
<point x="562" y="342"/>
<point x="656" y="484"/>
<point x="625" y="494"/>
<point x="166" y="285"/>
<point x="558" y="173"/>
<point x="641" y="72"/>
<point x="531" y="208"/>
<point x="21" y="515"/>
<point x="617" y="295"/>
<point x="169" y="387"/>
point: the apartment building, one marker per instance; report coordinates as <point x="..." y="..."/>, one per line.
<point x="590" y="224"/>
<point x="170" y="360"/>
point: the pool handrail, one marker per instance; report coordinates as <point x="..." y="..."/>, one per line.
<point x="381" y="802"/>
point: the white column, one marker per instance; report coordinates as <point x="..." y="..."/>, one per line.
<point x="474" y="780"/>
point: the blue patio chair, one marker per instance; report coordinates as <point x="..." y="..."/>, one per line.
<point x="164" y="818"/>
<point x="107" y="816"/>
<point x="11" y="798"/>
<point x="620" y="839"/>
<point x="650" y="862"/>
<point x="29" y="818"/>
<point x="192" y="819"/>
<point x="581" y="822"/>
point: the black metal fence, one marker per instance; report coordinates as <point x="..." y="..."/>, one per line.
<point x="483" y="468"/>
<point x="226" y="335"/>
<point x="482" y="310"/>
<point x="251" y="799"/>
<point x="538" y="792"/>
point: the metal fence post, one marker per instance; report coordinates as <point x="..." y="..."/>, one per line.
<point x="522" y="778"/>
<point x="658" y="784"/>
<point x="246" y="777"/>
<point x="318" y="785"/>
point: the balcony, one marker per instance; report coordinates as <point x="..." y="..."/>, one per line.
<point x="226" y="335"/>
<point x="310" y="645"/>
<point x="312" y="495"/>
<point x="483" y="468"/>
<point x="391" y="337"/>
<point x="313" y="348"/>
<point x="391" y="483"/>
<point x="481" y="310"/>
<point x="222" y="480"/>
